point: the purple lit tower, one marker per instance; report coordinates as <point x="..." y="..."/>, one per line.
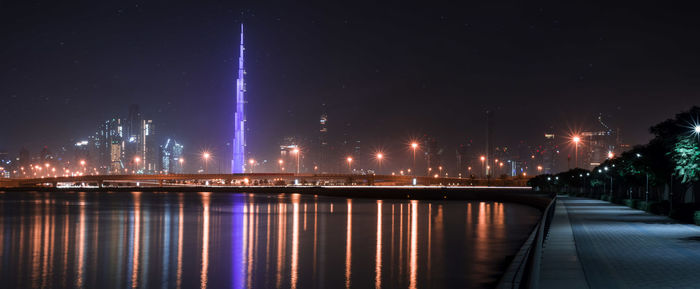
<point x="239" y="144"/>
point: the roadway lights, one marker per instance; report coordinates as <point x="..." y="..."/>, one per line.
<point x="206" y="156"/>
<point x="297" y="152"/>
<point x="414" y="146"/>
<point x="576" y="139"/>
<point x="696" y="129"/>
<point x="379" y="157"/>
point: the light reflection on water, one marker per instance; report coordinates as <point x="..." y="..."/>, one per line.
<point x="206" y="240"/>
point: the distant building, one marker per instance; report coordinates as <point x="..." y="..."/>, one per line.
<point x="238" y="162"/>
<point x="597" y="144"/>
<point x="171" y="156"/>
<point x="132" y="133"/>
<point x="323" y="146"/>
<point x="289" y="157"/>
<point x="466" y="159"/>
<point x="432" y="155"/>
<point x="149" y="148"/>
<point x="24" y="159"/>
<point x="490" y="123"/>
<point x="109" y="133"/>
<point x="549" y="153"/>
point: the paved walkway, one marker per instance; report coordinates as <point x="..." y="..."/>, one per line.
<point x="560" y="265"/>
<point x="619" y="247"/>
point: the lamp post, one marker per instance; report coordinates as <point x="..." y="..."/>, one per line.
<point x="181" y="161"/>
<point x="414" y="146"/>
<point x="281" y="162"/>
<point x="252" y="165"/>
<point x="483" y="167"/>
<point x="349" y="159"/>
<point x="380" y="157"/>
<point x="137" y="160"/>
<point x="206" y="157"/>
<point x="297" y="152"/>
<point x="576" y="140"/>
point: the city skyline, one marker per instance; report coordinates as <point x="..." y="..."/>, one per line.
<point x="296" y="58"/>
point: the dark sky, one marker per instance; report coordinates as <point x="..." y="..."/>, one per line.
<point x="392" y="70"/>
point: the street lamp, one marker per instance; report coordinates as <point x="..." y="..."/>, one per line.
<point x="414" y="146"/>
<point x="137" y="160"/>
<point x="576" y="139"/>
<point x="483" y="167"/>
<point x="380" y="157"/>
<point x="252" y="164"/>
<point x="297" y="152"/>
<point x="349" y="159"/>
<point x="696" y="129"/>
<point x="206" y="157"/>
<point x="281" y="162"/>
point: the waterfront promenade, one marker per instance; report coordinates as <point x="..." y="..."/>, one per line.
<point x="618" y="247"/>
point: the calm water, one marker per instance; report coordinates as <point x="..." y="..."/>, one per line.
<point x="218" y="240"/>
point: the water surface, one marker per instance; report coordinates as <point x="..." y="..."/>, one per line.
<point x="220" y="240"/>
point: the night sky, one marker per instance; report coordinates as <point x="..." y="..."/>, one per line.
<point x="391" y="70"/>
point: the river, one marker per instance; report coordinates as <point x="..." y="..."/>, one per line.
<point x="233" y="240"/>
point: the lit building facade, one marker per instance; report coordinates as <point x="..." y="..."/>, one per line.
<point x="239" y="142"/>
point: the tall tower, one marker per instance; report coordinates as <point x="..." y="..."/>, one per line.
<point x="239" y="143"/>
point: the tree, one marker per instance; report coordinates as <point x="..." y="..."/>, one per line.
<point x="686" y="156"/>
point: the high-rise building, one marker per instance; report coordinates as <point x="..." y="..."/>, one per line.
<point x="24" y="159"/>
<point x="597" y="144"/>
<point x="291" y="156"/>
<point x="108" y="133"/>
<point x="149" y="148"/>
<point x="549" y="153"/>
<point x="170" y="155"/>
<point x="489" y="138"/>
<point x="239" y="140"/>
<point x="466" y="159"/>
<point x="132" y="132"/>
<point x="323" y="147"/>
<point x="432" y="154"/>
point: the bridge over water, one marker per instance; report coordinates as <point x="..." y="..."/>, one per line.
<point x="251" y="179"/>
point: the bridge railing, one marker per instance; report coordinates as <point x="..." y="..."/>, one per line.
<point x="524" y="270"/>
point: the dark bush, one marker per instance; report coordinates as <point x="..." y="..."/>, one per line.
<point x="684" y="212"/>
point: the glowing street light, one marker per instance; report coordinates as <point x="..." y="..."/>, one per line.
<point x="206" y="157"/>
<point x="297" y="152"/>
<point x="696" y="129"/>
<point x="137" y="160"/>
<point x="379" y="157"/>
<point x="281" y="162"/>
<point x="414" y="146"/>
<point x="576" y="139"/>
<point x="252" y="164"/>
<point x="483" y="167"/>
<point x="611" y="155"/>
<point x="349" y="159"/>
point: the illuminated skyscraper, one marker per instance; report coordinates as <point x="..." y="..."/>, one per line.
<point x="239" y="143"/>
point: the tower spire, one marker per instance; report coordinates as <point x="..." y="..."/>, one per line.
<point x="239" y="140"/>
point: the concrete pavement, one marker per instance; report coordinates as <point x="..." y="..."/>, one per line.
<point x="619" y="247"/>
